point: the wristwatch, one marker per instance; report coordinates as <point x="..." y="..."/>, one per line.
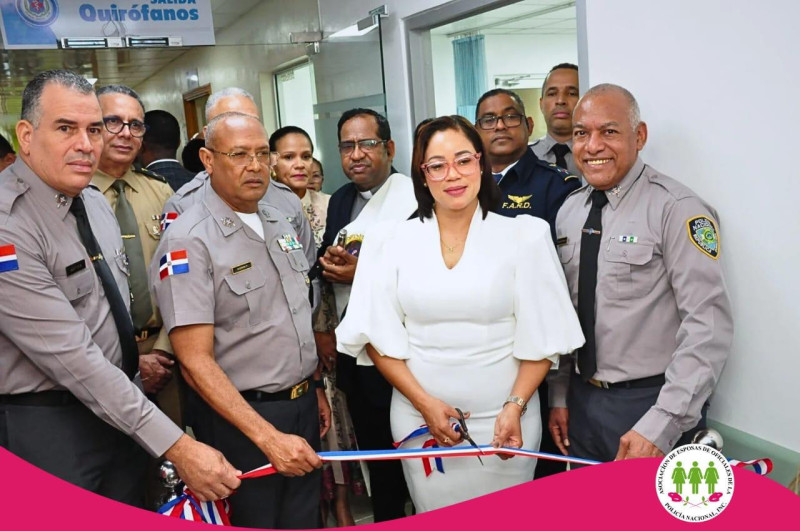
<point x="518" y="401"/>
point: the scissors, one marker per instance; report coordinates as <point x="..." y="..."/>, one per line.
<point x="462" y="428"/>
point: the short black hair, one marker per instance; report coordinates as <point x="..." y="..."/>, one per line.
<point x="5" y="147"/>
<point x="559" y="66"/>
<point x="496" y="92"/>
<point x="288" y="130"/>
<point x="488" y="195"/>
<point x="190" y="156"/>
<point x="163" y="130"/>
<point x="121" y="89"/>
<point x="32" y="95"/>
<point x="318" y="163"/>
<point x="384" y="131"/>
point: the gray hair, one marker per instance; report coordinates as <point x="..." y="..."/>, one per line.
<point x="634" y="116"/>
<point x="32" y="95"/>
<point x="121" y="89"/>
<point x="225" y="93"/>
<point x="211" y="127"/>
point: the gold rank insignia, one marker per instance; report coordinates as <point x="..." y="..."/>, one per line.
<point x="703" y="234"/>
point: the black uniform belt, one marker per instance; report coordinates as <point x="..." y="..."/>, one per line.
<point x="144" y="333"/>
<point x="295" y="391"/>
<point x="42" y="398"/>
<point x="650" y="381"/>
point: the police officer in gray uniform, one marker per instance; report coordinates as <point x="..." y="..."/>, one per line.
<point x="559" y="96"/>
<point x="64" y="327"/>
<point x="644" y="250"/>
<point x="278" y="195"/>
<point x="231" y="280"/>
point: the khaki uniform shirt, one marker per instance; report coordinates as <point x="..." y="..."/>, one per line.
<point x="544" y="150"/>
<point x="56" y="326"/>
<point x="278" y="195"/>
<point x="147" y="197"/>
<point x="253" y="290"/>
<point x="661" y="302"/>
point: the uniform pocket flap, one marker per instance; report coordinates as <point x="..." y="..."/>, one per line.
<point x="565" y="252"/>
<point x="246" y="281"/>
<point x="76" y="286"/>
<point x="629" y="253"/>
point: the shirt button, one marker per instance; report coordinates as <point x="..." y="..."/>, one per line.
<point x="294" y="311"/>
<point x="625" y="254"/>
<point x="247" y="284"/>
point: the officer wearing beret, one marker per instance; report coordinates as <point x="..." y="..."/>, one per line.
<point x="527" y="185"/>
<point x="231" y="280"/>
<point x="66" y="339"/>
<point x="641" y="253"/>
<point x="137" y="198"/>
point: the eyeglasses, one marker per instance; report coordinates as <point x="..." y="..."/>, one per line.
<point x="464" y="166"/>
<point x="115" y="126"/>
<point x="490" y="122"/>
<point x="367" y="146"/>
<point x="243" y="158"/>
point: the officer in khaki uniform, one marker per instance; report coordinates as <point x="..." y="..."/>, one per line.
<point x="65" y="331"/>
<point x="231" y="279"/>
<point x="137" y="197"/>
<point x="641" y="254"/>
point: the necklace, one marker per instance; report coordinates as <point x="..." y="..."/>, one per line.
<point x="448" y="248"/>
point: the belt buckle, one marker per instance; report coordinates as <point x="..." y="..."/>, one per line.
<point x="143" y="336"/>
<point x="299" y="390"/>
<point x="599" y="383"/>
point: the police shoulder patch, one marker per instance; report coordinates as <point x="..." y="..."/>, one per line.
<point x="150" y="174"/>
<point x="703" y="234"/>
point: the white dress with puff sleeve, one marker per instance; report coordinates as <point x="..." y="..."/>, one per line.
<point x="462" y="332"/>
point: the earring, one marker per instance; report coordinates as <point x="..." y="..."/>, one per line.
<point x="425" y="185"/>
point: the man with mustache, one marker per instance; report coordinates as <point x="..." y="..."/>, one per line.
<point x="641" y="254"/>
<point x="137" y="198"/>
<point x="231" y="279"/>
<point x="559" y="96"/>
<point x="528" y="185"/>
<point x="70" y="402"/>
<point x="376" y="193"/>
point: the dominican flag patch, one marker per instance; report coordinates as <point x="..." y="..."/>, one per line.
<point x="167" y="218"/>
<point x="8" y="258"/>
<point x="174" y="263"/>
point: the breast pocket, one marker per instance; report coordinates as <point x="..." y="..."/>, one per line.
<point x="565" y="252"/>
<point x="245" y="304"/>
<point x="297" y="259"/>
<point x="632" y="271"/>
<point x="152" y="227"/>
<point x="122" y="263"/>
<point x="76" y="287"/>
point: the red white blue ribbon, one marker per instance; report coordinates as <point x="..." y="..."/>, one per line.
<point x="760" y="466"/>
<point x="187" y="507"/>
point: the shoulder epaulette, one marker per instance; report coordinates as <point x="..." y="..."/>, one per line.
<point x="565" y="174"/>
<point x="150" y="174"/>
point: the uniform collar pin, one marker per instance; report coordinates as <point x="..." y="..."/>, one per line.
<point x="61" y="199"/>
<point x="228" y="222"/>
<point x="616" y="190"/>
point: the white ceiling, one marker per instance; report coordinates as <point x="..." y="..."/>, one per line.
<point x="542" y="17"/>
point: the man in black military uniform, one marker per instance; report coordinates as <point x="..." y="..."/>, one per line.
<point x="528" y="186"/>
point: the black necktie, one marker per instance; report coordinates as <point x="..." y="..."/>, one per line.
<point x="587" y="283"/>
<point x="127" y="340"/>
<point x="561" y="150"/>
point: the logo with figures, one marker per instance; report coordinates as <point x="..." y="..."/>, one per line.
<point x="37" y="12"/>
<point x="694" y="483"/>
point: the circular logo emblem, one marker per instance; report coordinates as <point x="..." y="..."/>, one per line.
<point x="39" y="13"/>
<point x="694" y="483"/>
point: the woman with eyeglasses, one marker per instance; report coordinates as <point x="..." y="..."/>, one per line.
<point x="293" y="157"/>
<point x="461" y="308"/>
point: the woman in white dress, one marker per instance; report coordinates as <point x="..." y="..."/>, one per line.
<point x="461" y="308"/>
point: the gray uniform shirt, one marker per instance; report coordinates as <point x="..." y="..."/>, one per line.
<point x="661" y="301"/>
<point x="543" y="148"/>
<point x="278" y="195"/>
<point x="56" y="326"/>
<point x="253" y="290"/>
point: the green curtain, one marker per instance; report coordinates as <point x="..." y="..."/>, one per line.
<point x="470" y="61"/>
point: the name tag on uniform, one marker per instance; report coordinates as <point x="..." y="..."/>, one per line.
<point x="561" y="241"/>
<point x="288" y="242"/>
<point x="628" y="239"/>
<point x="77" y="266"/>
<point x="241" y="267"/>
